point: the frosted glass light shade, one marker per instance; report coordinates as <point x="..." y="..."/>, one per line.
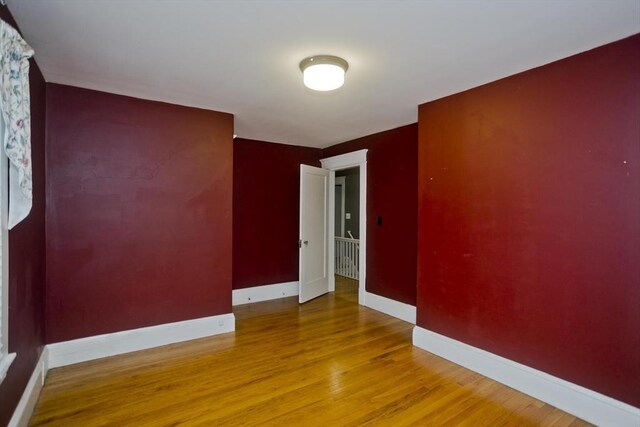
<point x="323" y="77"/>
<point x="323" y="73"/>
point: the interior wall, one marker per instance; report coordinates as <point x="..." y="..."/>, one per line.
<point x="529" y="218"/>
<point x="392" y="169"/>
<point x="139" y="213"/>
<point x="266" y="206"/>
<point x="351" y="200"/>
<point x="26" y="261"/>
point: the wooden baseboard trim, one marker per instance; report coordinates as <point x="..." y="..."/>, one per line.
<point x="586" y="404"/>
<point x="99" y="346"/>
<point x="391" y="307"/>
<point x="264" y="293"/>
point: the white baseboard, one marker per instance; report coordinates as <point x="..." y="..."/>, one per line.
<point x="27" y="403"/>
<point x="587" y="404"/>
<point x="264" y="293"/>
<point x="391" y="307"/>
<point x="5" y="362"/>
<point x="96" y="347"/>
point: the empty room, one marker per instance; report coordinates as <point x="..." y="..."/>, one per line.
<point x="320" y="213"/>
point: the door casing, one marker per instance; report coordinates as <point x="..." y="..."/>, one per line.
<point x="334" y="163"/>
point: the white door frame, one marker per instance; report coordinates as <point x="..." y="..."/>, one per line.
<point x="345" y="161"/>
<point x="342" y="181"/>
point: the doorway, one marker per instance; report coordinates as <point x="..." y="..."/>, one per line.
<point x="349" y="258"/>
<point x="347" y="203"/>
<point x="347" y="232"/>
<point x="339" y="211"/>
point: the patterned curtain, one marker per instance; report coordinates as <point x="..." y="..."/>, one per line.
<point x="16" y="112"/>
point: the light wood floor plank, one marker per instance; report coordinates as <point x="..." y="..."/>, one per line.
<point x="329" y="362"/>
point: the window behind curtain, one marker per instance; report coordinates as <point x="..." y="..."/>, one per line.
<point x="5" y="358"/>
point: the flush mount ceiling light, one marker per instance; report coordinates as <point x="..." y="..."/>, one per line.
<point x="323" y="72"/>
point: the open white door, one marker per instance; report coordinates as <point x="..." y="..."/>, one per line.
<point x="314" y="197"/>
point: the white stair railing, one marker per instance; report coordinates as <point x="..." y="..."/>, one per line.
<point x="347" y="254"/>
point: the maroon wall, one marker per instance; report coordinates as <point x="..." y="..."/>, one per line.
<point x="26" y="262"/>
<point x="529" y="218"/>
<point x="266" y="205"/>
<point x="139" y="199"/>
<point x="392" y="168"/>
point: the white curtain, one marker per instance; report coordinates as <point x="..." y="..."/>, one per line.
<point x="16" y="112"/>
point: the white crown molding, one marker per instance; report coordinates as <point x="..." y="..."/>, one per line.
<point x="99" y="346"/>
<point x="586" y="404"/>
<point x="391" y="307"/>
<point x="264" y="293"/>
<point x="26" y="405"/>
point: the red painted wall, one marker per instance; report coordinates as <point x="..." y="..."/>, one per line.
<point x="392" y="168"/>
<point x="139" y="199"/>
<point x="26" y="262"/>
<point x="529" y="218"/>
<point x="266" y="205"/>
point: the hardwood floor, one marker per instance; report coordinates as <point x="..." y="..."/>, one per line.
<point x="326" y="363"/>
<point x="347" y="288"/>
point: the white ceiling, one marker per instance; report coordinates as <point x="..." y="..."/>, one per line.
<point x="242" y="56"/>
